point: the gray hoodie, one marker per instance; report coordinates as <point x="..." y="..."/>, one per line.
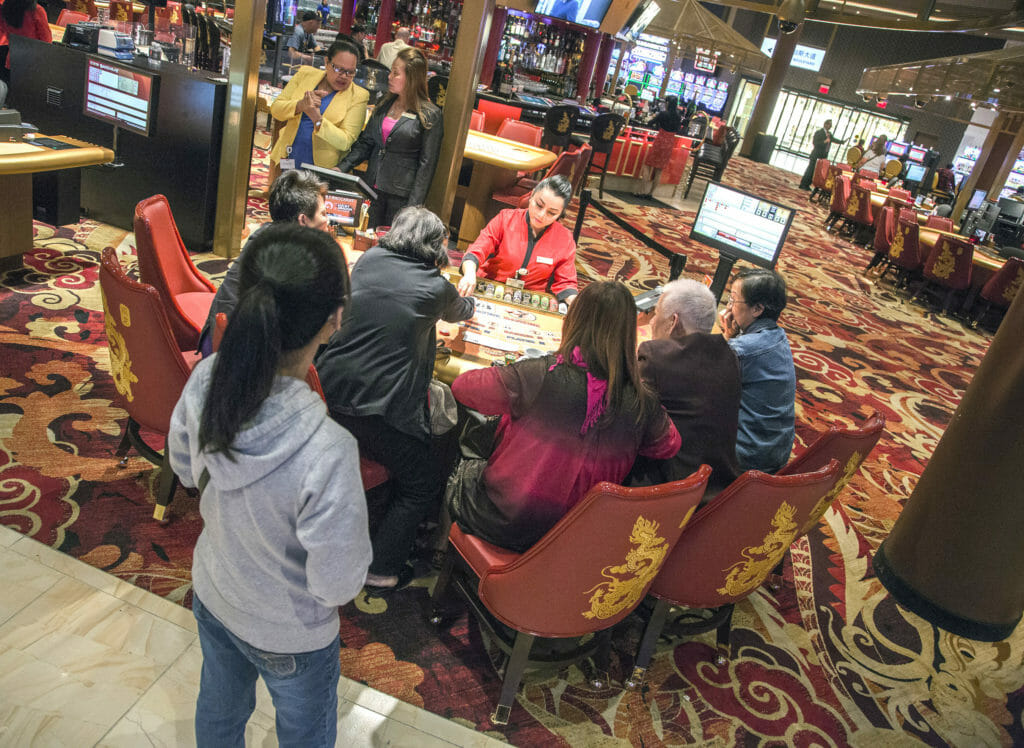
<point x="285" y="538"/>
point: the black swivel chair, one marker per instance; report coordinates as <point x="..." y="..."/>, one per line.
<point x="558" y="125"/>
<point x="711" y="160"/>
<point x="372" y="76"/>
<point x="603" y="132"/>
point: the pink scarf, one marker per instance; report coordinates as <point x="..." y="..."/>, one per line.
<point x="597" y="389"/>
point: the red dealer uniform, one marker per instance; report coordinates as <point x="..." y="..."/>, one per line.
<point x="502" y="245"/>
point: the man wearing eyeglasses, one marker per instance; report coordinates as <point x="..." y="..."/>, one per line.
<point x="767" y="375"/>
<point x="324" y="112"/>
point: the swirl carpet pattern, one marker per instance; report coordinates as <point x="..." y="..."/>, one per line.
<point x="829" y="659"/>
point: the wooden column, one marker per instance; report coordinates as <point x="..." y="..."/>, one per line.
<point x="955" y="556"/>
<point x="474" y="29"/>
<point x="385" y="16"/>
<point x="585" y="74"/>
<point x="992" y="151"/>
<point x="493" y="46"/>
<point x="347" y="7"/>
<point x="239" y="120"/>
<point x="771" y="88"/>
<point x="604" y="59"/>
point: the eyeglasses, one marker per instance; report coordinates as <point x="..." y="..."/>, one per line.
<point x="347" y="72"/>
<point x="733" y="302"/>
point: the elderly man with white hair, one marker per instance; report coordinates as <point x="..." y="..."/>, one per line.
<point x="697" y="377"/>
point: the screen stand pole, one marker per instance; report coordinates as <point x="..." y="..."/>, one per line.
<point x="113" y="146"/>
<point x="722" y="273"/>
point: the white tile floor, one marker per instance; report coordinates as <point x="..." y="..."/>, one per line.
<point x="89" y="660"/>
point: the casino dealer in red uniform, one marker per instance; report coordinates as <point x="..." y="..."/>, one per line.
<point x="529" y="244"/>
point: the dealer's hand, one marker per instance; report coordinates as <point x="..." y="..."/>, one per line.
<point x="467" y="284"/>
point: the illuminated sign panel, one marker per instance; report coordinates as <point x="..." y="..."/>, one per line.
<point x="808" y="58"/>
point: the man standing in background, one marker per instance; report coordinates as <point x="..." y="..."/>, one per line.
<point x="823" y="140"/>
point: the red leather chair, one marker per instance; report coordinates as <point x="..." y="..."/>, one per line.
<point x="585" y="575"/>
<point x="857" y="214"/>
<point x="516" y="195"/>
<point x="1001" y="289"/>
<point x="850" y="447"/>
<point x="477" y="120"/>
<point x="943" y="223"/>
<point x="579" y="172"/>
<point x="949" y="265"/>
<point x="868" y="174"/>
<point x="521" y="132"/>
<point x="495" y="113"/>
<point x="71" y="16"/>
<point x="834" y="170"/>
<point x="905" y="251"/>
<point x="841" y="189"/>
<point x="727" y="552"/>
<point x="885" y="230"/>
<point x="372" y="473"/>
<point x="819" y="179"/>
<point x="164" y="263"/>
<point x="900" y="194"/>
<point x="148" y="367"/>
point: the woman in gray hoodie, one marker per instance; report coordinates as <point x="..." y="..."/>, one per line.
<point x="285" y="538"/>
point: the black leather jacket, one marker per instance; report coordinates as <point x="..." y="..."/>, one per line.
<point x="404" y="164"/>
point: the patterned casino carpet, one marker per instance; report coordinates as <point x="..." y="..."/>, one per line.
<point x="828" y="660"/>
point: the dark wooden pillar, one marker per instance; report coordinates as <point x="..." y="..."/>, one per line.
<point x="604" y="59"/>
<point x="493" y="45"/>
<point x="770" y="89"/>
<point x="385" y="16"/>
<point x="955" y="556"/>
<point x="591" y="46"/>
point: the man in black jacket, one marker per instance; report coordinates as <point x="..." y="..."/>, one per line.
<point x="822" y="140"/>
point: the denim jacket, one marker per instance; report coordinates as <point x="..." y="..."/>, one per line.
<point x="767" y="402"/>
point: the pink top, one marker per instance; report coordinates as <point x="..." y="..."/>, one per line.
<point x="387" y="126"/>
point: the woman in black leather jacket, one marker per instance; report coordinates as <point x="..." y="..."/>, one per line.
<point x="401" y="140"/>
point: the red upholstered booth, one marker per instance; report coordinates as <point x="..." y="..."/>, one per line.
<point x="148" y="368"/>
<point x="585" y="575"/>
<point x="164" y="263"/>
<point x="728" y="550"/>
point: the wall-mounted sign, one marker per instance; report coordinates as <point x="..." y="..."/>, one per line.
<point x="705" y="60"/>
<point x="808" y="58"/>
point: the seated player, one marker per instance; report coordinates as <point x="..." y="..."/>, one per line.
<point x="295" y="197"/>
<point x="568" y="422"/>
<point x="697" y="376"/>
<point x="768" y="400"/>
<point x="376" y="370"/>
<point x="529" y="244"/>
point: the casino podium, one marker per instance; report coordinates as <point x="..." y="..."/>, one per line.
<point x="18" y="162"/>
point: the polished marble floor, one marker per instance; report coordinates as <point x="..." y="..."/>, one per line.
<point x="89" y="660"/>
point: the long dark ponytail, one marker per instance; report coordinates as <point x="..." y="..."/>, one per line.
<point x="292" y="279"/>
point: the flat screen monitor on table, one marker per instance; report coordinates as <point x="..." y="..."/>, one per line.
<point x="915" y="173"/>
<point x="976" y="200"/>
<point x="742" y="225"/>
<point x="917" y="154"/>
<point x="585" y="14"/>
<point x="340" y="182"/>
<point x="342" y="208"/>
<point x="120" y="95"/>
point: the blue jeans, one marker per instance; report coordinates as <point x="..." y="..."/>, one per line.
<point x="304" y="688"/>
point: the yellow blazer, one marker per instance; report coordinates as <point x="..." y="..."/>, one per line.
<point x="342" y="120"/>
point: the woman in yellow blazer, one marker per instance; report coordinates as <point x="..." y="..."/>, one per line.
<point x="324" y="111"/>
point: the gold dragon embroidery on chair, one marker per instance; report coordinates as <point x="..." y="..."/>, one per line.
<point x="609" y="132"/>
<point x="945" y="263"/>
<point x="1010" y="292"/>
<point x="896" y="248"/>
<point x="627" y="582"/>
<point x="745" y="575"/>
<point x="563" y="124"/>
<point x="442" y="94"/>
<point x="120" y="360"/>
<point x="853" y="203"/>
<point x="819" y="509"/>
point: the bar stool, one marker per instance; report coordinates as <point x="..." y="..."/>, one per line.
<point x="603" y="133"/>
<point x="558" y="125"/>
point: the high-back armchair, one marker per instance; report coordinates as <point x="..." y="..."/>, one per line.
<point x="585" y="575"/>
<point x="149" y="369"/>
<point x="949" y="266"/>
<point x="164" y="263"/>
<point x="729" y="549"/>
